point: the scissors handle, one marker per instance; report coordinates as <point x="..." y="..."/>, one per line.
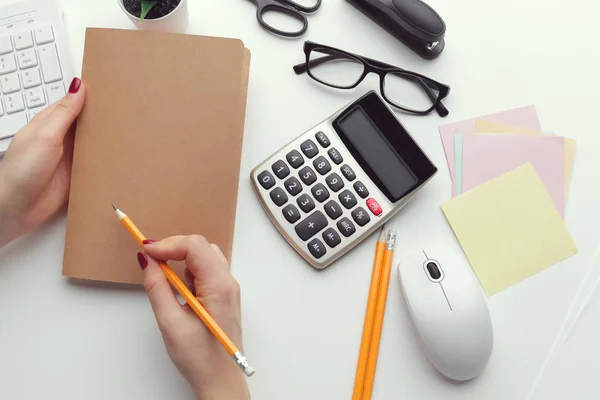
<point x="289" y="11"/>
<point x="301" y="8"/>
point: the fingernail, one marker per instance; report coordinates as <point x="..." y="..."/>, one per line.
<point x="148" y="241"/>
<point x="142" y="260"/>
<point x="75" y="84"/>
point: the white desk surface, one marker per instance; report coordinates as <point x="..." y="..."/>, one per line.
<point x="67" y="340"/>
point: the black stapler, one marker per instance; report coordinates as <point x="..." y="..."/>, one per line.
<point x="411" y="21"/>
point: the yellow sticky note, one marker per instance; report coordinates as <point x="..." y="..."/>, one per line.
<point x="489" y="127"/>
<point x="509" y="229"/>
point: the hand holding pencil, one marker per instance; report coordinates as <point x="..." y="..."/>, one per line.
<point x="192" y="345"/>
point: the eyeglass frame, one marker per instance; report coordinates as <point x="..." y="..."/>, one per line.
<point x="381" y="69"/>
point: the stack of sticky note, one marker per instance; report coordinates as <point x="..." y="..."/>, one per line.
<point x="510" y="183"/>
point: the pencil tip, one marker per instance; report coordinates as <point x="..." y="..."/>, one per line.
<point x="114" y="208"/>
<point x="383" y="234"/>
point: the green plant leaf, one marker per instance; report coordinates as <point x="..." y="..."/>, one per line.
<point x="146" y="7"/>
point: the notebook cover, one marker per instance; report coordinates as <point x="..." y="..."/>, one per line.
<point x="160" y="136"/>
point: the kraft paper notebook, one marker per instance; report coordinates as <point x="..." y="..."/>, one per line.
<point x="160" y="136"/>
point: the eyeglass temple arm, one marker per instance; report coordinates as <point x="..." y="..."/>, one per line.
<point x="440" y="108"/>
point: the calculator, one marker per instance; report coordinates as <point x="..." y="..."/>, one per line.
<point x="334" y="185"/>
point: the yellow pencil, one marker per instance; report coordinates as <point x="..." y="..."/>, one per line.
<point x="379" y="313"/>
<point x="191" y="300"/>
<point x="361" y="368"/>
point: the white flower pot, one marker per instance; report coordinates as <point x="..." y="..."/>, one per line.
<point x="176" y="21"/>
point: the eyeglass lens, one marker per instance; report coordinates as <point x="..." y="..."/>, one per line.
<point x="408" y="91"/>
<point x="334" y="68"/>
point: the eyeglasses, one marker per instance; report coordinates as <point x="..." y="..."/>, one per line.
<point x="406" y="90"/>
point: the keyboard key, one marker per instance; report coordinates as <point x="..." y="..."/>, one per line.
<point x="331" y="237"/>
<point x="35" y="97"/>
<point x="306" y="203"/>
<point x="10" y="83"/>
<point x="11" y="124"/>
<point x="294" y="158"/>
<point x="1" y="108"/>
<point x="316" y="248"/>
<point x="322" y="165"/>
<point x="322" y="139"/>
<point x="346" y="227"/>
<point x="334" y="181"/>
<point x="44" y="34"/>
<point x="307" y="175"/>
<point x="7" y="64"/>
<point x="309" y="148"/>
<point x="280" y="169"/>
<point x="31" y="78"/>
<point x="347" y="199"/>
<point x="374" y="206"/>
<point x="23" y="40"/>
<point x="55" y="91"/>
<point x="49" y="62"/>
<point x="335" y="155"/>
<point x="27" y="59"/>
<point x="320" y="192"/>
<point x="5" y="45"/>
<point x="278" y="196"/>
<point x="333" y="209"/>
<point x="311" y="225"/>
<point x="266" y="180"/>
<point x="361" y="189"/>
<point x="360" y="216"/>
<point x="14" y="103"/>
<point x="293" y="186"/>
<point x="35" y="111"/>
<point x="348" y="172"/>
<point x="291" y="213"/>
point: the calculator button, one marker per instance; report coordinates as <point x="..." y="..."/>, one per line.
<point x="278" y="196"/>
<point x="294" y="158"/>
<point x="306" y="203"/>
<point x="347" y="199"/>
<point x="293" y="186"/>
<point x="348" y="172"/>
<point x="374" y="206"/>
<point x="316" y="248"/>
<point x="334" y="182"/>
<point x="311" y="225"/>
<point x="361" y="189"/>
<point x="291" y="213"/>
<point x="280" y="169"/>
<point x="333" y="209"/>
<point x="322" y="165"/>
<point x="346" y="227"/>
<point x="335" y="155"/>
<point x="267" y="181"/>
<point x="307" y="175"/>
<point x="320" y="192"/>
<point x="331" y="237"/>
<point x="322" y="139"/>
<point x="360" y="216"/>
<point x="309" y="148"/>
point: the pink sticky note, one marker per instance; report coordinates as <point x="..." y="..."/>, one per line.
<point x="523" y="117"/>
<point x="486" y="157"/>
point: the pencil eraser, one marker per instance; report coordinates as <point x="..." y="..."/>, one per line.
<point x="249" y="371"/>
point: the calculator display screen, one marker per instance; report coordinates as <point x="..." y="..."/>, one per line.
<point x="375" y="154"/>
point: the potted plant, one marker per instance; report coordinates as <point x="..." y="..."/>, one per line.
<point x="157" y="15"/>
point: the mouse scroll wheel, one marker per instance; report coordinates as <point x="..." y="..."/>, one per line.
<point x="433" y="270"/>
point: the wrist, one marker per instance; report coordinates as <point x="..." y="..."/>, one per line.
<point x="233" y="391"/>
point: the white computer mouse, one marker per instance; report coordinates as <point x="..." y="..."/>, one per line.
<point x="448" y="308"/>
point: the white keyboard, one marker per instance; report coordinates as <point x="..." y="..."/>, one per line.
<point x="35" y="69"/>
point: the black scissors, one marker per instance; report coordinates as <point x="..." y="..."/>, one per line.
<point x="287" y="7"/>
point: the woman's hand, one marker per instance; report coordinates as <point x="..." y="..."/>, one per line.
<point x="196" y="353"/>
<point x="35" y="174"/>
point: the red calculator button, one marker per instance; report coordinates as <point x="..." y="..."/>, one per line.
<point x="374" y="206"/>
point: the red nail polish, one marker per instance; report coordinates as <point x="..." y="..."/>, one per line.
<point x="142" y="260"/>
<point x="148" y="241"/>
<point x="75" y="84"/>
